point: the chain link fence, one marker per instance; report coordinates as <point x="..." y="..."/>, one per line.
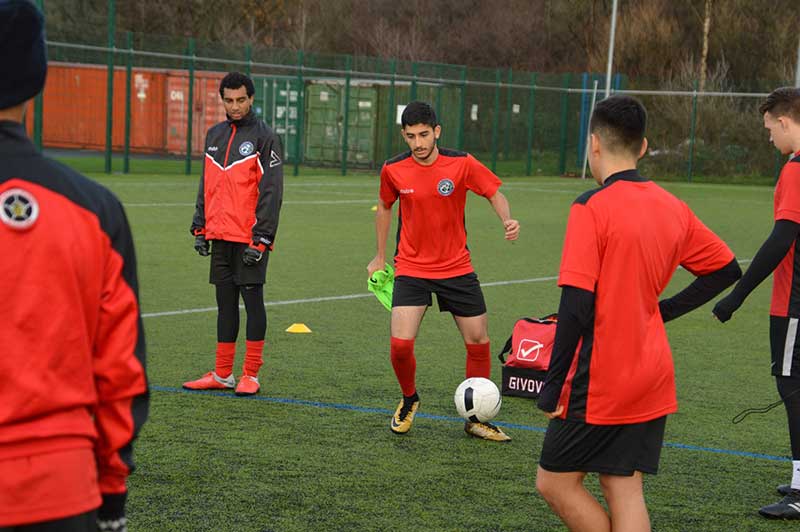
<point x="137" y="97"/>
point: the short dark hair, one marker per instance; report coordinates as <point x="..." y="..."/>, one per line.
<point x="620" y="121"/>
<point x="419" y="113"/>
<point x="234" y="80"/>
<point x="784" y="101"/>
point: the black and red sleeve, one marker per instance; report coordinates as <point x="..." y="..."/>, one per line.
<point x="119" y="356"/>
<point x="270" y="192"/>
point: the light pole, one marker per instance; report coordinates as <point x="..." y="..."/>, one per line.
<point x="611" y="36"/>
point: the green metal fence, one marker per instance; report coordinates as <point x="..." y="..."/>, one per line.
<point x="342" y="111"/>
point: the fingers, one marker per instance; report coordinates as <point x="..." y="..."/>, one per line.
<point x="512" y="229"/>
<point x="558" y="411"/>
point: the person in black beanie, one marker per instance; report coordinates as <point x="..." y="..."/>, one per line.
<point x="74" y="392"/>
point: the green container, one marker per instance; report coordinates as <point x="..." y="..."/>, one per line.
<point x="276" y="102"/>
<point x="325" y="103"/>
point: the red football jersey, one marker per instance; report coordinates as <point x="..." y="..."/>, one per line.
<point x="785" y="284"/>
<point x="624" y="241"/>
<point x="431" y="235"/>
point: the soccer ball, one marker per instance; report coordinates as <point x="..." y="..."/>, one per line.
<point x="478" y="399"/>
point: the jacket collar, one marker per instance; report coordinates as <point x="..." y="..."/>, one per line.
<point x="14" y="132"/>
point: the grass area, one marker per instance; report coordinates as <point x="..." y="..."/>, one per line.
<point x="314" y="451"/>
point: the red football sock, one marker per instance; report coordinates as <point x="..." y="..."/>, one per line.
<point x="253" y="357"/>
<point x="226" y="351"/>
<point x="404" y="364"/>
<point x="479" y="360"/>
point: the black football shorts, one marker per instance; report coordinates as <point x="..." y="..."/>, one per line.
<point x="461" y="296"/>
<point x="571" y="446"/>
<point x="227" y="266"/>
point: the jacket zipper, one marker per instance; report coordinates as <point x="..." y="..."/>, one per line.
<point x="228" y="150"/>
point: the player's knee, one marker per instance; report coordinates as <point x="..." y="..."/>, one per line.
<point x="401" y="348"/>
<point x="547" y="485"/>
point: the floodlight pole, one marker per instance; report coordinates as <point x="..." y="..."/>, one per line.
<point x="611" y="36"/>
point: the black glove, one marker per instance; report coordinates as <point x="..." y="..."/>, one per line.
<point x="725" y="308"/>
<point x="253" y="254"/>
<point x="201" y="245"/>
<point x="111" y="514"/>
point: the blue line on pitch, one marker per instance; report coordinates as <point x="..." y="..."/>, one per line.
<point x="341" y="406"/>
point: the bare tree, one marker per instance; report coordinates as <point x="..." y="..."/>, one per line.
<point x="704" y="53"/>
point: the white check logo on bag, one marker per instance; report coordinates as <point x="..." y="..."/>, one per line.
<point x="529" y="349"/>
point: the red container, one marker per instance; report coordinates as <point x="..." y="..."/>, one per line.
<point x="74" y="108"/>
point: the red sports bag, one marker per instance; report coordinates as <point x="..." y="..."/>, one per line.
<point x="529" y="349"/>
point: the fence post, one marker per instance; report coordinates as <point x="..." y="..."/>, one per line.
<point x="38" y="104"/>
<point x="437" y="105"/>
<point x="390" y="124"/>
<point x="248" y="57"/>
<point x="346" y="114"/>
<point x="190" y="108"/>
<point x="531" y="101"/>
<point x="509" y="112"/>
<point x="110" y="83"/>
<point x="463" y="107"/>
<point x="692" y="133"/>
<point x="126" y="158"/>
<point x="298" y="144"/>
<point x="582" y="121"/>
<point x="414" y="74"/>
<point x="495" y="119"/>
<point x="617" y="81"/>
<point x="562" y="155"/>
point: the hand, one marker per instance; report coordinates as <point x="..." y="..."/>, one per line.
<point x="253" y="254"/>
<point x="725" y="308"/>
<point x="375" y="265"/>
<point x="512" y="229"/>
<point x="201" y="245"/>
<point x="558" y="411"/>
<point x="111" y="514"/>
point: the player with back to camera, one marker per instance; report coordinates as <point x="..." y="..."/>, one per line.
<point x="608" y="403"/>
<point x="238" y="204"/>
<point x="74" y="392"/>
<point x="778" y="253"/>
<point x="431" y="184"/>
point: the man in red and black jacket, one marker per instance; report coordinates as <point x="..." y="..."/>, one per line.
<point x="74" y="392"/>
<point x="238" y="203"/>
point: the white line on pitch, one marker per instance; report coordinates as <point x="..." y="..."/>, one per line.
<point x="289" y="202"/>
<point x="349" y="296"/>
<point x="323" y="299"/>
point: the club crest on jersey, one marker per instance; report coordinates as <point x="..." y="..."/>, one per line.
<point x="18" y="208"/>
<point x="246" y="148"/>
<point x="445" y="187"/>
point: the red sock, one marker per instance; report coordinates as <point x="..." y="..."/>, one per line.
<point x="404" y="364"/>
<point x="226" y="351"/>
<point x="479" y="360"/>
<point x="253" y="357"/>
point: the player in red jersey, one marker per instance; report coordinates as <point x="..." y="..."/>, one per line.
<point x="432" y="255"/>
<point x="608" y="402"/>
<point x="74" y="391"/>
<point x="779" y="253"/>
